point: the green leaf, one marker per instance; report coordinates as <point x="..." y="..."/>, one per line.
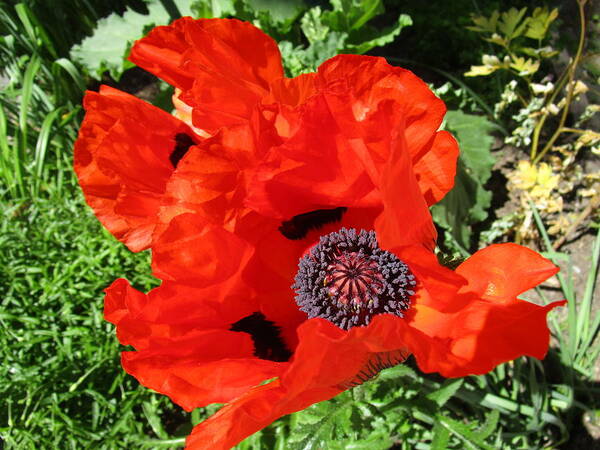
<point x="299" y="60"/>
<point x="441" y="437"/>
<point x="108" y="47"/>
<point x="491" y="422"/>
<point x="468" y="201"/>
<point x="446" y="391"/>
<point x="524" y="66"/>
<point x="540" y="21"/>
<point x="470" y="438"/>
<point x="213" y="8"/>
<point x="318" y="425"/>
<point x="312" y="26"/>
<point x="510" y="23"/>
<point x="348" y="15"/>
<point x="370" y="37"/>
<point x="483" y="24"/>
<point x="280" y="11"/>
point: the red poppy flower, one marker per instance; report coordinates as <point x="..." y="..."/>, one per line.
<point x="235" y="309"/>
<point x="229" y="74"/>
<point x="363" y="98"/>
<point x="228" y="323"/>
<point x="296" y="170"/>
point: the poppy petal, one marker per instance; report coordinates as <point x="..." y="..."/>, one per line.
<point x="436" y="169"/>
<point x="123" y="161"/>
<point x="185" y="342"/>
<point x="191" y="251"/>
<point x="224" y="66"/>
<point x="325" y="360"/>
<point x="490" y="325"/>
<point x="375" y="86"/>
<point x="500" y="272"/>
<point x="200" y="368"/>
<point x="405" y="219"/>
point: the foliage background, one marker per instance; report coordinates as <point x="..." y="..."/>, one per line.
<point x="61" y="383"/>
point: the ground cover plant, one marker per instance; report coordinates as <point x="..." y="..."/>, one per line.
<point x="527" y="171"/>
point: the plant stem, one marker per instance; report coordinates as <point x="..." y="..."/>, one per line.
<point x="570" y="87"/>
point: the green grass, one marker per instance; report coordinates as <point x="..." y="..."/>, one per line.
<point x="61" y="380"/>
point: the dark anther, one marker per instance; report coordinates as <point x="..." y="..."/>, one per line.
<point x="347" y="279"/>
<point x="268" y="343"/>
<point x="299" y="226"/>
<point x="183" y="142"/>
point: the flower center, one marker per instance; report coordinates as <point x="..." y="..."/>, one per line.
<point x="347" y="279"/>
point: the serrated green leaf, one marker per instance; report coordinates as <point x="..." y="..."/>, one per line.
<point x="446" y="391"/>
<point x="321" y="423"/>
<point x="213" y="8"/>
<point x="485" y="25"/>
<point x="441" y="437"/>
<point x="540" y="21"/>
<point x="312" y="26"/>
<point x="510" y="23"/>
<point x="491" y="422"/>
<point x="379" y="440"/>
<point x="107" y="48"/>
<point x="297" y="60"/>
<point x="524" y="66"/>
<point x="470" y="438"/>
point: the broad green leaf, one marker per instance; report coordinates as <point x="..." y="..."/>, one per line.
<point x="280" y="11"/>
<point x="370" y="37"/>
<point x="468" y="201"/>
<point x="473" y="135"/>
<point x="348" y="15"/>
<point x="297" y="60"/>
<point x="107" y="48"/>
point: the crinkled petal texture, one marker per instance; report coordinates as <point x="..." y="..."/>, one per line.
<point x="478" y="324"/>
<point x="342" y="124"/>
<point x="222" y="66"/>
<point x="484" y="324"/>
<point x="125" y="153"/>
<point x="183" y="333"/>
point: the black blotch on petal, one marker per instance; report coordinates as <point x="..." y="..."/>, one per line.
<point x="299" y="226"/>
<point x="183" y="142"/>
<point x="268" y="343"/>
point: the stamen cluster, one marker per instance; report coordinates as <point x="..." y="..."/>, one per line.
<point x="347" y="279"/>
